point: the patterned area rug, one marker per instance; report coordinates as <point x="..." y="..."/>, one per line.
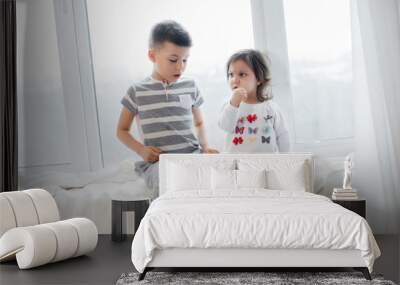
<point x="225" y="278"/>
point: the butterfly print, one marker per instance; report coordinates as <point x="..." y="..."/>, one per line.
<point x="237" y="140"/>
<point x="239" y="130"/>
<point x="265" y="140"/>
<point x="252" y="139"/>
<point x="251" y="118"/>
<point x="253" y="130"/>
<point x="241" y="120"/>
<point x="266" y="130"/>
<point x="268" y="117"/>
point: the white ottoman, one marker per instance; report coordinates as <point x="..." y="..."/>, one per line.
<point x="31" y="232"/>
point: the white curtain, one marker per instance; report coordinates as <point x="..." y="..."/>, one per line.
<point x="376" y="67"/>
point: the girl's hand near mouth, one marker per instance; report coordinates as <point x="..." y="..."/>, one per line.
<point x="239" y="95"/>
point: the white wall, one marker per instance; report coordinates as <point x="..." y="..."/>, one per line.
<point x="42" y="128"/>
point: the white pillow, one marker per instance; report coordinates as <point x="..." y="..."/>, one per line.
<point x="251" y="178"/>
<point x="287" y="179"/>
<point x="281" y="174"/>
<point x="223" y="179"/>
<point x="227" y="179"/>
<point x="188" y="177"/>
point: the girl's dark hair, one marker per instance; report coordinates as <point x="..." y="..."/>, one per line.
<point x="169" y="31"/>
<point x="258" y="63"/>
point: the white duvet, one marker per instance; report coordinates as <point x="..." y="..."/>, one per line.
<point x="252" y="218"/>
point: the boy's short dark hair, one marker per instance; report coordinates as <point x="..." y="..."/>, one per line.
<point x="169" y="31"/>
<point x="260" y="66"/>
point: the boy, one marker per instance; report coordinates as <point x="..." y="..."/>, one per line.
<point x="166" y="106"/>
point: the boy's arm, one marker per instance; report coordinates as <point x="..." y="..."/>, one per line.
<point x="148" y="153"/>
<point x="200" y="131"/>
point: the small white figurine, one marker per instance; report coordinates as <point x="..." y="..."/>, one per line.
<point x="348" y="166"/>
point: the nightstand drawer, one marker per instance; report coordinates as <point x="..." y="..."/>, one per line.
<point x="357" y="206"/>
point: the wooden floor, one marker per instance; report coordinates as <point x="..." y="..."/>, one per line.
<point x="110" y="260"/>
<point x="103" y="266"/>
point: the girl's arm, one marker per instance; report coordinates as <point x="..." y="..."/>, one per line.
<point x="200" y="131"/>
<point x="148" y="153"/>
<point x="228" y="118"/>
<point x="282" y="132"/>
<point x="283" y="142"/>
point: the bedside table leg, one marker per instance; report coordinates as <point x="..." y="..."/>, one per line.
<point x="116" y="221"/>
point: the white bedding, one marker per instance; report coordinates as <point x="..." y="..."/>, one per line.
<point x="252" y="218"/>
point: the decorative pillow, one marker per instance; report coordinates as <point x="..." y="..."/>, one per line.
<point x="282" y="174"/>
<point x="188" y="177"/>
<point x="287" y="179"/>
<point x="251" y="178"/>
<point x="223" y="179"/>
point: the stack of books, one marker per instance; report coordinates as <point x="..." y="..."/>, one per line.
<point x="344" y="194"/>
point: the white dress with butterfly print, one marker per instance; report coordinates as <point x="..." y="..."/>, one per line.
<point x="254" y="128"/>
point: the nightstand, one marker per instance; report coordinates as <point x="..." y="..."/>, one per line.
<point x="358" y="206"/>
<point x="120" y="205"/>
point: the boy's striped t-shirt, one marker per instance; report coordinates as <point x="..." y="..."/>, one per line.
<point x="164" y="113"/>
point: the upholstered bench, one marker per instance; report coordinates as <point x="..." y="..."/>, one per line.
<point x="31" y="231"/>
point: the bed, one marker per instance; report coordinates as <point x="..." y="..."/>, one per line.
<point x="241" y="211"/>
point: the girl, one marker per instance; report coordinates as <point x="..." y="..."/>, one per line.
<point x="253" y="122"/>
